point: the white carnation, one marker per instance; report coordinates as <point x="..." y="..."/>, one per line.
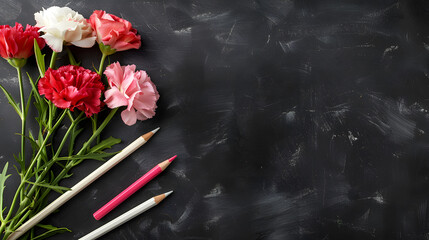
<point x="63" y="25"/>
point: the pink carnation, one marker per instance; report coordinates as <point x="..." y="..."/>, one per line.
<point x="114" y="31"/>
<point x="132" y="89"/>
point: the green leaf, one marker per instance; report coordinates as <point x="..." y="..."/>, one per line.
<point x="51" y="231"/>
<point x="106" y="143"/>
<point x="60" y="164"/>
<point x="68" y="175"/>
<point x="11" y="101"/>
<point x="19" y="160"/>
<point x="71" y="58"/>
<point x="94" y="126"/>
<point x="28" y="103"/>
<point x="52" y="175"/>
<point x="101" y="157"/>
<point x="35" y="90"/>
<point x="58" y="189"/>
<point x="95" y="69"/>
<point x="17" y="170"/>
<point x="42" y="108"/>
<point x="3" y="178"/>
<point x="34" y="144"/>
<point x="40" y="59"/>
<point x="73" y="136"/>
<point x="30" y="137"/>
<point x="95" y="156"/>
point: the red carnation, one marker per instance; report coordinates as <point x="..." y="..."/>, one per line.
<point x="17" y="43"/>
<point x="73" y="87"/>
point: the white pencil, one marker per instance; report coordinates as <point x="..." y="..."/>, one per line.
<point x="152" y="202"/>
<point x="82" y="184"/>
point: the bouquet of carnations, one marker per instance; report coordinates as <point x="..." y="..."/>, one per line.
<point x="64" y="97"/>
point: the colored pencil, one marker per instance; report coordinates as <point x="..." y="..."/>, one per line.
<point x="125" y="217"/>
<point x="112" y="204"/>
<point x="82" y="184"/>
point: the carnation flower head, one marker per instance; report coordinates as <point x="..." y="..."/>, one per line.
<point x="132" y="89"/>
<point x="62" y="24"/>
<point x="73" y="87"/>
<point x="113" y="31"/>
<point x="15" y="42"/>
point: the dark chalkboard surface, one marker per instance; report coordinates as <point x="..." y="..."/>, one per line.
<point x="300" y="119"/>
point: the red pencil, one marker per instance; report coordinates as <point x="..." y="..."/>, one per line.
<point x="132" y="189"/>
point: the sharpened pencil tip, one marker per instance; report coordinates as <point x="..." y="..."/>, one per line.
<point x="172" y="158"/>
<point x="155" y="130"/>
<point x="161" y="197"/>
<point x="148" y="135"/>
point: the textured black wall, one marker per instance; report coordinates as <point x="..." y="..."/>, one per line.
<point x="300" y="119"/>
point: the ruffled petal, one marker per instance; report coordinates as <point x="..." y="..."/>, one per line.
<point x="114" y="31"/>
<point x="128" y="78"/>
<point x="144" y="114"/>
<point x="114" y="74"/>
<point x="114" y="98"/>
<point x="73" y="87"/>
<point x="145" y="101"/>
<point x="60" y="102"/>
<point x="55" y="43"/>
<point x="129" y="117"/>
<point x="85" y="43"/>
<point x="62" y="24"/>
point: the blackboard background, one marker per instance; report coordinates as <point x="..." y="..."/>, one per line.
<point x="300" y="119"/>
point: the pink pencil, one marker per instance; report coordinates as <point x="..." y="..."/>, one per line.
<point x="132" y="189"/>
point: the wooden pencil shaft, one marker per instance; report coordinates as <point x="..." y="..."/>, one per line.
<point x="112" y="204"/>
<point x="77" y="188"/>
<point x="126" y="216"/>
<point x="120" y="220"/>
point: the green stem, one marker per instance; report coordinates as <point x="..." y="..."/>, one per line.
<point x="23" y="123"/>
<point x="66" y="135"/>
<point x="82" y="150"/>
<point x="25" y="212"/>
<point x="70" y="164"/>
<point x="53" y="59"/>
<point x="94" y="126"/>
<point x="52" y="110"/>
<point x="2" y="228"/>
<point x="24" y="115"/>
<point x="22" y="184"/>
<point x="72" y="60"/>
<point x="103" y="59"/>
<point x="100" y="128"/>
<point x="39" y="161"/>
<point x="23" y="120"/>
<point x="57" y="153"/>
<point x="100" y="72"/>
<point x="22" y="219"/>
